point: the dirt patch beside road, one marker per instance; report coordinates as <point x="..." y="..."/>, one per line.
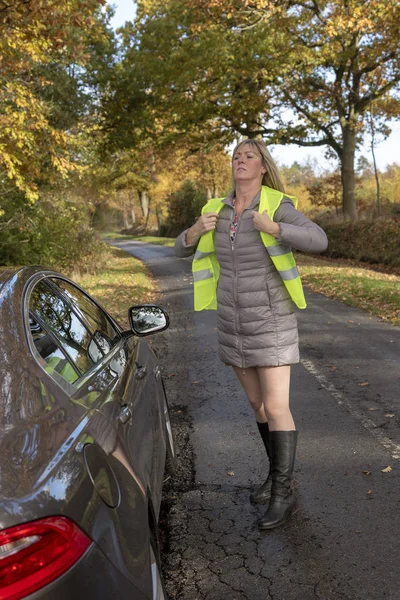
<point x="176" y="487"/>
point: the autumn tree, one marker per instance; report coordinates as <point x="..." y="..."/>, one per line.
<point x="292" y="72"/>
<point x="149" y="153"/>
<point x="44" y="45"/>
<point x="325" y="191"/>
<point x="54" y="58"/>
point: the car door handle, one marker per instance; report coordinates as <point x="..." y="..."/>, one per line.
<point x="141" y="372"/>
<point x="124" y="415"/>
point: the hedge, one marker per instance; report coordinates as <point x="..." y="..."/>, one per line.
<point x="375" y="242"/>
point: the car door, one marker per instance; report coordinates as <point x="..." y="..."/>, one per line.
<point x="147" y="435"/>
<point x="93" y="356"/>
<point x="128" y="378"/>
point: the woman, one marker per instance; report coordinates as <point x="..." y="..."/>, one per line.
<point x="243" y="266"/>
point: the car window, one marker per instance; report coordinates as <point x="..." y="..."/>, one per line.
<point x="69" y="331"/>
<point x="54" y="360"/>
<point x="105" y="334"/>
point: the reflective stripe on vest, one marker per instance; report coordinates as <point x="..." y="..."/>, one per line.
<point x="206" y="268"/>
<point x="279" y="252"/>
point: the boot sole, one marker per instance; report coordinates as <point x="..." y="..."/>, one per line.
<point x="275" y="525"/>
<point x="272" y="526"/>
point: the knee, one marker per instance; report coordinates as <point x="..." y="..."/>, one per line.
<point x="276" y="411"/>
<point x="256" y="404"/>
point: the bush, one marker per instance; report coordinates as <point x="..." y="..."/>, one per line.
<point x="52" y="233"/>
<point x="376" y="241"/>
<point x="183" y="208"/>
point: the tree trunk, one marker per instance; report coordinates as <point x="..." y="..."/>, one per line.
<point x="144" y="203"/>
<point x="378" y="189"/>
<point x="131" y="202"/>
<point x="336" y="192"/>
<point x="125" y="215"/>
<point x="348" y="174"/>
<point x="147" y="219"/>
<point x="159" y="220"/>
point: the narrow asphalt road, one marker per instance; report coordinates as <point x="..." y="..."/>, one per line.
<point x="343" y="541"/>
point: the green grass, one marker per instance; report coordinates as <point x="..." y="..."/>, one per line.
<point x="358" y="286"/>
<point x="149" y="239"/>
<point x="123" y="282"/>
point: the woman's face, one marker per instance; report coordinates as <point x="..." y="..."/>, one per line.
<point x="247" y="164"/>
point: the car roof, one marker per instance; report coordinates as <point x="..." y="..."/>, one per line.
<point x="6" y="273"/>
<point x="22" y="273"/>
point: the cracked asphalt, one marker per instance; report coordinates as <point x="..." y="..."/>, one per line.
<point x="343" y="540"/>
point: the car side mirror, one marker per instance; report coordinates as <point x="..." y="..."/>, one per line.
<point x="145" y="319"/>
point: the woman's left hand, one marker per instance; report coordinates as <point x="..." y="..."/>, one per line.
<point x="262" y="222"/>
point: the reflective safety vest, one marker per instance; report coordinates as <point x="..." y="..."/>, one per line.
<point x="206" y="268"/>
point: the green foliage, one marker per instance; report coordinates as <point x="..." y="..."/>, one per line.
<point x="45" y="46"/>
<point x="376" y="241"/>
<point x="52" y="233"/>
<point x="56" y="59"/>
<point x="184" y="206"/>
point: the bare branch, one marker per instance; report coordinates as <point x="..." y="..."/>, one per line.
<point x="325" y="128"/>
<point x="379" y="63"/>
<point x="300" y="142"/>
<point x="366" y="100"/>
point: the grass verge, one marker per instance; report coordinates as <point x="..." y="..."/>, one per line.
<point x="124" y="281"/>
<point x="149" y="239"/>
<point x="358" y="286"/>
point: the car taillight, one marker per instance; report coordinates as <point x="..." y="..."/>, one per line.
<point x="34" y="554"/>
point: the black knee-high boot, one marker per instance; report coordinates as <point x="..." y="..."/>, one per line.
<point x="263" y="493"/>
<point x="283" y="447"/>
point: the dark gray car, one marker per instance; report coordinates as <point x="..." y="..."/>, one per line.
<point x="84" y="437"/>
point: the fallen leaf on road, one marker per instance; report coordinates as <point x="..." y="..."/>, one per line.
<point x="390" y="415"/>
<point x="349" y="321"/>
<point x="231" y="473"/>
<point x="195" y="382"/>
<point x="369" y="492"/>
<point x="367" y="472"/>
<point x="363" y="383"/>
<point x="387" y="470"/>
<point x="372" y="409"/>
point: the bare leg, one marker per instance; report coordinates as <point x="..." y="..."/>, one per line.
<point x="275" y="384"/>
<point x="251" y="385"/>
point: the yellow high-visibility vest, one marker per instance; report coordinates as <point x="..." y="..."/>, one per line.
<point x="206" y="268"/>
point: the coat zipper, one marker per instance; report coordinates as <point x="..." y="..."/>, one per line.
<point x="236" y="296"/>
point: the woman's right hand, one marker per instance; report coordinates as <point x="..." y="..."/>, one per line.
<point x="203" y="224"/>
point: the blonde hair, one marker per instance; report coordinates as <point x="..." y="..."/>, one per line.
<point x="271" y="177"/>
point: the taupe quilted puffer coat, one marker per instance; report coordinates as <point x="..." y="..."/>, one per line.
<point x="255" y="318"/>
